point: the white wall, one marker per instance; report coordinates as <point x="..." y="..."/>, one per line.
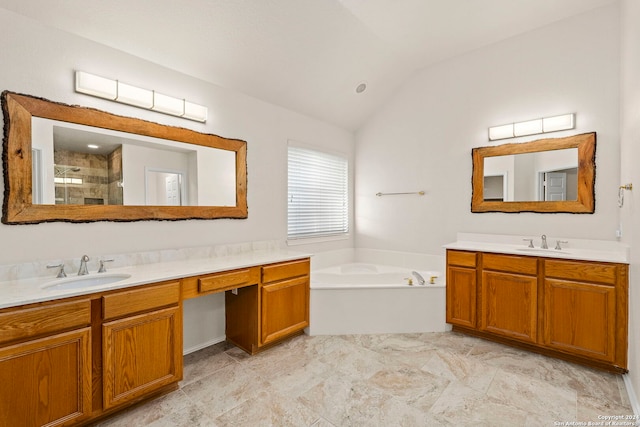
<point x="40" y="61"/>
<point x="422" y="138"/>
<point x="630" y="172"/>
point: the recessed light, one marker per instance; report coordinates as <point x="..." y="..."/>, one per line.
<point x="361" y="87"/>
<point x="93" y="146"/>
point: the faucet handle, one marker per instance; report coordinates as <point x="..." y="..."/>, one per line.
<point x="558" y="247"/>
<point x="61" y="272"/>
<point x="102" y="268"/>
<point x="530" y="242"/>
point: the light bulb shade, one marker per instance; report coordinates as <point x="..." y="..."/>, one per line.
<point x="93" y="85"/>
<point x="133" y="95"/>
<point x="530" y="127"/>
<point x="168" y="104"/>
<point x="114" y="90"/>
<point x="556" y="123"/>
<point x="501" y="132"/>
<point x="195" y="112"/>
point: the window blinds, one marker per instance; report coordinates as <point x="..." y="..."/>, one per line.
<point x="318" y="203"/>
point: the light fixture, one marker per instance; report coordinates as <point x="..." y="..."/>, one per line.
<point x="555" y="123"/>
<point x="532" y="127"/>
<point x="501" y="132"/>
<point x="93" y="146"/>
<point x="115" y="90"/>
<point x="361" y="87"/>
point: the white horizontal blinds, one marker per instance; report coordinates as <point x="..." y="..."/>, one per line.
<point x="318" y="194"/>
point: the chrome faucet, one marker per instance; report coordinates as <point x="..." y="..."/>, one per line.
<point x="543" y="244"/>
<point x="83" y="266"/>
<point x="61" y="272"/>
<point x="419" y="277"/>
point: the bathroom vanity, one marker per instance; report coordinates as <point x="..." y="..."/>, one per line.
<point x="73" y="360"/>
<point x="542" y="300"/>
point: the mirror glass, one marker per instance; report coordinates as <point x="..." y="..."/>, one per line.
<point x="80" y="165"/>
<point x="547" y="176"/>
<point x="540" y="176"/>
<point x="77" y="164"/>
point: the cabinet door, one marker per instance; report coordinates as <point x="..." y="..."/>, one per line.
<point x="141" y="354"/>
<point x="284" y="308"/>
<point x="580" y="318"/>
<point x="46" y="381"/>
<point x="509" y="305"/>
<point x="461" y="296"/>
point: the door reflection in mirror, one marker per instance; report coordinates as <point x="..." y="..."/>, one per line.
<point x="165" y="188"/>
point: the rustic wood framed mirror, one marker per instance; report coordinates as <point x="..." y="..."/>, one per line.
<point x="551" y="175"/>
<point x="140" y="170"/>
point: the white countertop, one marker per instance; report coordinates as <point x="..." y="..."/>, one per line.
<point x="578" y="249"/>
<point x="26" y="291"/>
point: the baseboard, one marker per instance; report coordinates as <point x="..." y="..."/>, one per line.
<point x="203" y="345"/>
<point x="633" y="398"/>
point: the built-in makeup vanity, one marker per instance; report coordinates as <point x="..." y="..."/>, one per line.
<point x="570" y="303"/>
<point x="72" y="356"/>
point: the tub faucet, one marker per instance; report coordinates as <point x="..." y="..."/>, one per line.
<point x="83" y="266"/>
<point x="420" y="279"/>
<point x="543" y="244"/>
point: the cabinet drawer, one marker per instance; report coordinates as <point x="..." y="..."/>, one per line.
<point x="140" y="300"/>
<point x="46" y="319"/>
<point x="462" y="259"/>
<point x="285" y="270"/>
<point x="228" y="280"/>
<point x="510" y="263"/>
<point x="583" y="271"/>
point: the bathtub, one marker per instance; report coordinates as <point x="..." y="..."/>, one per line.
<point x="375" y="298"/>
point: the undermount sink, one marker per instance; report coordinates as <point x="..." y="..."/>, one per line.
<point x="88" y="281"/>
<point x="544" y="251"/>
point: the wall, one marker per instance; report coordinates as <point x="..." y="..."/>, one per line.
<point x="424" y="135"/>
<point x="40" y="61"/>
<point x="630" y="173"/>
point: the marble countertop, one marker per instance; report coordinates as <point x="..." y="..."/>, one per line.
<point x="577" y="249"/>
<point x="30" y="290"/>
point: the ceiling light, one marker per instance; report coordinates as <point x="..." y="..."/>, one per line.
<point x="93" y="146"/>
<point x="361" y="88"/>
<point x="115" y="90"/>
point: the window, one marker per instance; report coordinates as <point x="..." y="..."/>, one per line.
<point x="318" y="204"/>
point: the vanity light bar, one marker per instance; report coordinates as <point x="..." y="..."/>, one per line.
<point x="117" y="91"/>
<point x="533" y="127"/>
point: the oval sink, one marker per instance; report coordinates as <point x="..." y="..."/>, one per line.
<point x="544" y="251"/>
<point x="85" y="281"/>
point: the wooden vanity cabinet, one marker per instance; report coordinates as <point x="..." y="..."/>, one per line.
<point x="509" y="296"/>
<point x="276" y="308"/>
<point x="45" y="364"/>
<point x="595" y="325"/>
<point x="575" y="310"/>
<point x="461" y="288"/>
<point x="141" y="342"/>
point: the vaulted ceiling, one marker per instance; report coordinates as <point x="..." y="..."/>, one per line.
<point x="305" y="55"/>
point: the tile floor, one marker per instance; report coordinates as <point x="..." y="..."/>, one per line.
<point x="434" y="379"/>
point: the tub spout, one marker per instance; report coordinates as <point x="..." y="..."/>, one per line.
<point x="420" y="279"/>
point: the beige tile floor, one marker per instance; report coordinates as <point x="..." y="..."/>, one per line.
<point x="435" y="379"/>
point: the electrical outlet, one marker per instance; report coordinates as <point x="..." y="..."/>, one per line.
<point x="234" y="291"/>
<point x="618" y="233"/>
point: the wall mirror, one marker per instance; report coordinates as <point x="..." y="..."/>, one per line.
<point x="548" y="176"/>
<point x="77" y="164"/>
